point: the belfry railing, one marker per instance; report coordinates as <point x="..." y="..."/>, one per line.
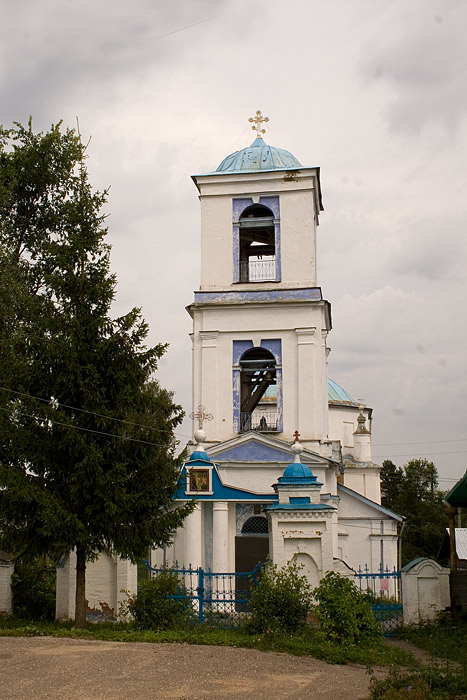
<point x="258" y="270"/>
<point x="262" y="422"/>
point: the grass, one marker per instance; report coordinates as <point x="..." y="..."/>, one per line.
<point x="439" y="680"/>
<point x="308" y="642"/>
<point x="443" y="638"/>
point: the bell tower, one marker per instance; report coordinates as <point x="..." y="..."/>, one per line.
<point x="260" y="322"/>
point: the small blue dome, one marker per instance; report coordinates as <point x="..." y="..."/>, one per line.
<point x="258" y="156"/>
<point x="199" y="455"/>
<point x="298" y="473"/>
<point x="297" y="470"/>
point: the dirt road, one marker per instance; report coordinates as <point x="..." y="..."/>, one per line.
<point x="42" y="668"/>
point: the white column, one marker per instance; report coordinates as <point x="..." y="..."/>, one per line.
<point x="306" y="384"/>
<point x="220" y="536"/>
<point x="194" y="538"/>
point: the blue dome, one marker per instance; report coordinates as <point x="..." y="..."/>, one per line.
<point x="297" y="470"/>
<point x="199" y="455"/>
<point x="258" y="156"/>
<point x="298" y="473"/>
<point x="337" y="393"/>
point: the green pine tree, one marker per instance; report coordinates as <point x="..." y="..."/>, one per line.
<point x="87" y="451"/>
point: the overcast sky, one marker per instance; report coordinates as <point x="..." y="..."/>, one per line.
<point x="372" y="91"/>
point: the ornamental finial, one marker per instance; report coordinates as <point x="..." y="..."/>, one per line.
<point x="258" y="120"/>
<point x="200" y="415"/>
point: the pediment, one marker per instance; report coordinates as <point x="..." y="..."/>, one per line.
<point x="350" y="499"/>
<point x="251" y="447"/>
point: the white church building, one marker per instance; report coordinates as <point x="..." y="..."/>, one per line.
<point x="281" y="465"/>
<point x="260" y="384"/>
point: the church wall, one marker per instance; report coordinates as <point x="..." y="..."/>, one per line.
<point x="297" y="221"/>
<point x="342" y="425"/>
<point x="298" y="248"/>
<point x="213" y="357"/>
<point x="108" y="581"/>
<point x="364" y="480"/>
<point x="364" y="544"/>
<point x="6" y="571"/>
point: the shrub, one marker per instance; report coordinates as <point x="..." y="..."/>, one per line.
<point x="33" y="590"/>
<point x="344" y="613"/>
<point x="161" y="603"/>
<point x="281" y="601"/>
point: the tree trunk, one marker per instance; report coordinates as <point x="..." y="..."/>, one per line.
<point x="80" y="601"/>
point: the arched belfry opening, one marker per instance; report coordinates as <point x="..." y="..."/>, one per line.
<point x="258" y="391"/>
<point x="257" y="244"/>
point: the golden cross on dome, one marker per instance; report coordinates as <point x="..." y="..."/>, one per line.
<point x="296" y="435"/>
<point x="258" y="120"/>
<point x="201" y="416"/>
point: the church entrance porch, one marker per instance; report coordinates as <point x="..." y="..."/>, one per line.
<point x="252" y="544"/>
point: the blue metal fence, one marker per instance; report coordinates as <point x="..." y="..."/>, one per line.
<point x="384" y="590"/>
<point x="222" y="599"/>
<point x="218" y="599"/>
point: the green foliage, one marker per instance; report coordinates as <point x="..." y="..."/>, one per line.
<point x="161" y="603"/>
<point x="87" y="451"/>
<point x="344" y="613"/>
<point x="281" y="601"/>
<point x="412" y="491"/>
<point x="33" y="591"/>
<point x="432" y="682"/>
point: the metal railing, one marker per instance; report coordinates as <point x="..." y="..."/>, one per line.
<point x="262" y="422"/>
<point x="258" y="270"/>
<point x="219" y="599"/>
<point x="384" y="590"/>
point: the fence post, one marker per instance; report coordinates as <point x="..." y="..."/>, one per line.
<point x="200" y="591"/>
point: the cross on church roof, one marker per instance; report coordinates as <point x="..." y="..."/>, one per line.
<point x="296" y="435"/>
<point x="258" y="119"/>
<point x="201" y="416"/>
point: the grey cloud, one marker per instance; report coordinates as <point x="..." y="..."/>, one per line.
<point x="422" y="66"/>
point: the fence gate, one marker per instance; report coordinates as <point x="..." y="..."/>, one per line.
<point x="217" y="599"/>
<point x="384" y="590"/>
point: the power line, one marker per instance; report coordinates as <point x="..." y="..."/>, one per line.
<point x="420" y="442"/>
<point x="92" y="413"/>
<point x="428" y="454"/>
<point x="77" y="427"/>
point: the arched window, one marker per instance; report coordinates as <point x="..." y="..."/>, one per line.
<point x="256" y="525"/>
<point x="257" y="245"/>
<point x="258" y="398"/>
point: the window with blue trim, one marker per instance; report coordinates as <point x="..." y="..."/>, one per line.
<point x="257" y="386"/>
<point x="256" y="240"/>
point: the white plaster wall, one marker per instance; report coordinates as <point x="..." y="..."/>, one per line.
<point x="6" y="572"/>
<point x="365" y="480"/>
<point x="108" y="580"/>
<point x="425" y="591"/>
<point x="215" y="329"/>
<point x="309" y="534"/>
<point x="360" y="542"/>
<point x="298" y="221"/>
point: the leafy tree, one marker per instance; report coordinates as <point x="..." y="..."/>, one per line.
<point x="412" y="491"/>
<point x="87" y="452"/>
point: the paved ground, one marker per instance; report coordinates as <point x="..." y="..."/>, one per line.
<point x="42" y="668"/>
